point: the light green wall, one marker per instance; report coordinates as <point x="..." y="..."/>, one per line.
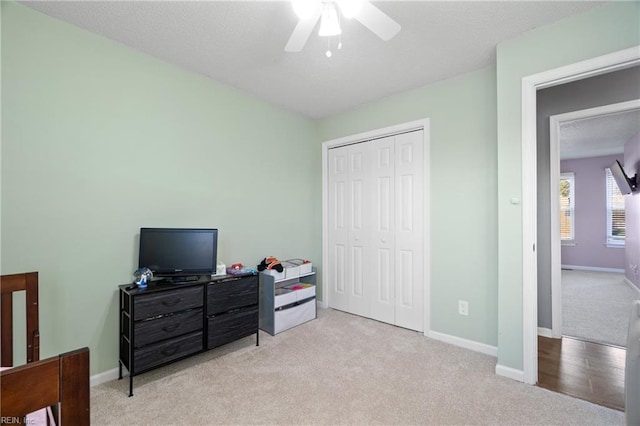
<point x="99" y="140"/>
<point x="606" y="29"/>
<point x="462" y="113"/>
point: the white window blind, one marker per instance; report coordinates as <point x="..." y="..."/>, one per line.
<point x="615" y="212"/>
<point x="567" y="207"/>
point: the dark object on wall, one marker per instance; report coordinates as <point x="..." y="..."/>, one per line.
<point x="626" y="184"/>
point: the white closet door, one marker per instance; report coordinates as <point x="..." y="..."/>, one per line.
<point x="359" y="232"/>
<point x="409" y="244"/>
<point x="382" y="231"/>
<point x="338" y="216"/>
<point x="376" y="229"/>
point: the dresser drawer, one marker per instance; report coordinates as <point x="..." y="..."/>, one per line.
<point x="227" y="295"/>
<point x="167" y="327"/>
<point x="231" y="326"/>
<point x="153" y="355"/>
<point x="165" y="302"/>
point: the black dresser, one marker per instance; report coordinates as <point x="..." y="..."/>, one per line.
<point x="167" y="322"/>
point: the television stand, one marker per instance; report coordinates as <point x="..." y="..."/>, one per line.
<point x="164" y="323"/>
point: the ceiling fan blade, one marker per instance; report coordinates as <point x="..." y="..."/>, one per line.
<point x="302" y="32"/>
<point x="377" y="21"/>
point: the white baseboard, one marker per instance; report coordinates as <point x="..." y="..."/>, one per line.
<point x="545" y="332"/>
<point x="106" y="376"/>
<point x="463" y="343"/>
<point x="593" y="268"/>
<point x="510" y="373"/>
<point x="322" y="304"/>
<point x="630" y="284"/>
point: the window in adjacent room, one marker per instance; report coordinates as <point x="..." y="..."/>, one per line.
<point x="567" y="208"/>
<point x="615" y="212"/>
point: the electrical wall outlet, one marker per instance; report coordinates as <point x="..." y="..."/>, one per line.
<point x="463" y="307"/>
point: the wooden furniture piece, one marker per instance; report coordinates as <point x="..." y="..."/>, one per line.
<point x="285" y="303"/>
<point x="166" y="322"/>
<point x="61" y="382"/>
<point x="27" y="282"/>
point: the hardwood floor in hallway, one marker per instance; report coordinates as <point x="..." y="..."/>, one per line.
<point x="585" y="370"/>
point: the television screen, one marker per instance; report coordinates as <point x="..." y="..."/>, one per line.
<point x="625" y="184"/>
<point x="178" y="251"/>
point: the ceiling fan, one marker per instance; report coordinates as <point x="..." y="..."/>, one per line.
<point x="310" y="11"/>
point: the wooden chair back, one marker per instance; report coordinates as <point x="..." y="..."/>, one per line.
<point x="27" y="282"/>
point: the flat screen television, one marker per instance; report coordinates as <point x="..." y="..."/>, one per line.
<point x="178" y="252"/>
<point x="626" y="184"/>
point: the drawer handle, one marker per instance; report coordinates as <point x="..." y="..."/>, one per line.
<point x="170" y="328"/>
<point x="170" y="351"/>
<point x="171" y="302"/>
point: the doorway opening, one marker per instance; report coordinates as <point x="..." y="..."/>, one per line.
<point x="579" y="139"/>
<point x="530" y="85"/>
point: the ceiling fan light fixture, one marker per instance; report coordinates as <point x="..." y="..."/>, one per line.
<point x="304" y="9"/>
<point x="329" y="25"/>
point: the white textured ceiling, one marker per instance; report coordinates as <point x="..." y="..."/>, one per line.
<point x="598" y="136"/>
<point x="241" y="44"/>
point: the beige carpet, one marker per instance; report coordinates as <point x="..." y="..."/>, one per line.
<point x="338" y="369"/>
<point x="596" y="306"/>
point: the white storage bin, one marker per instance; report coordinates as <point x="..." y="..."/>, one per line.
<point x="285" y="298"/>
<point x="305" y="293"/>
<point x="287" y="318"/>
<point x="305" y="268"/>
<point x="275" y="274"/>
<point x="291" y="270"/>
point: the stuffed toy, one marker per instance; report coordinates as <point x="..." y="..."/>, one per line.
<point x="270" y="263"/>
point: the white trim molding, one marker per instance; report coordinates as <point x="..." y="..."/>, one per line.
<point x="546" y="332"/>
<point x="633" y="287"/>
<point x="510" y="373"/>
<point x="483" y="348"/>
<point x="593" y="268"/>
<point x="530" y="85"/>
<point x="106" y="376"/>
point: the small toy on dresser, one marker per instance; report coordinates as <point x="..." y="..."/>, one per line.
<point x="269" y="263"/>
<point x="142" y="277"/>
<point x="240" y="269"/>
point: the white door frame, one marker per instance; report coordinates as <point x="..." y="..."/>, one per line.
<point x="554" y="166"/>
<point x="422" y="124"/>
<point x="530" y="84"/>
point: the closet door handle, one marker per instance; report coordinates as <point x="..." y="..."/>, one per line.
<point x="357" y="238"/>
<point x="383" y="240"/>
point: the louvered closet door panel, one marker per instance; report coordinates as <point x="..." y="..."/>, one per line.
<point x="409" y="223"/>
<point x="383" y="230"/>
<point x="338" y="208"/>
<point x="359" y="236"/>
